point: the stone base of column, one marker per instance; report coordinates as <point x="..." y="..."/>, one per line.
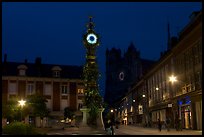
<point x="85" y="111"/>
<point x="85" y="129"/>
<point x="100" y="124"/>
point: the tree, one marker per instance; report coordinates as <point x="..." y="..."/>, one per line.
<point x="38" y="106"/>
<point x="12" y="111"/>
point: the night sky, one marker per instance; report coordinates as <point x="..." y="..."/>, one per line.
<point x="54" y="30"/>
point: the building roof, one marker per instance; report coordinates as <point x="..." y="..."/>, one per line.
<point x="42" y="70"/>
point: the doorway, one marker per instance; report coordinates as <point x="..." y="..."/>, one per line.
<point x="186" y="117"/>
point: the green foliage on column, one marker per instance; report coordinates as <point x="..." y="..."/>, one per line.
<point x="92" y="98"/>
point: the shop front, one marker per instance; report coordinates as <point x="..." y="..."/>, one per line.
<point x="185" y="112"/>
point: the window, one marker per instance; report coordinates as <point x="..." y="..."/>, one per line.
<point x="80" y="91"/>
<point x="184" y="89"/>
<point x="22" y="72"/>
<point x="56" y="71"/>
<point x="64" y="89"/>
<point x="131" y="109"/>
<point x="48" y="89"/>
<point x="12" y="88"/>
<point x="30" y="89"/>
<point x="56" y="74"/>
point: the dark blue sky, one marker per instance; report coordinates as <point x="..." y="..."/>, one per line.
<point x="53" y="30"/>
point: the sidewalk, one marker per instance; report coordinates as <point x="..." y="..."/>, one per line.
<point x="132" y="129"/>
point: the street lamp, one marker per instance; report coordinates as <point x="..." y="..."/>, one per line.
<point x="144" y="111"/>
<point x="172" y="79"/>
<point x="21" y="103"/>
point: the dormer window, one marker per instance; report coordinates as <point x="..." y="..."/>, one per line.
<point x="56" y="74"/>
<point x="22" y="70"/>
<point x="56" y="71"/>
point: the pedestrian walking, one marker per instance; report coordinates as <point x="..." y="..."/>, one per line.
<point x="167" y="124"/>
<point x="159" y="124"/>
<point x="112" y="129"/>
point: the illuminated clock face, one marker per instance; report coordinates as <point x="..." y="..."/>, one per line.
<point x="121" y="76"/>
<point x="91" y="38"/>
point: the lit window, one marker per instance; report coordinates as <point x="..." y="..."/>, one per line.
<point x="64" y="89"/>
<point x="80" y="91"/>
<point x="131" y="109"/>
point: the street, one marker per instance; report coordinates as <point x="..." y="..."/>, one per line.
<point x="133" y="130"/>
<point x="124" y="130"/>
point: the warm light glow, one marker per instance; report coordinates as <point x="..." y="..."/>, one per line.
<point x="172" y="79"/>
<point x="22" y="102"/>
<point x="143" y="96"/>
<point x="133" y="100"/>
<point x="80" y="91"/>
<point x="111" y="110"/>
<point x="157" y="88"/>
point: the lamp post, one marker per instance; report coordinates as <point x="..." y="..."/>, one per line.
<point x="173" y="79"/>
<point x="21" y="103"/>
<point x="144" y="109"/>
<point x="112" y="115"/>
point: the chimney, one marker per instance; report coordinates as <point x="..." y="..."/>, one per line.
<point x="5" y="58"/>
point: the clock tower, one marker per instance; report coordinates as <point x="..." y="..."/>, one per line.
<point x="92" y="99"/>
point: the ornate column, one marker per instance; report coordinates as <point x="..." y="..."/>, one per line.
<point x="92" y="98"/>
